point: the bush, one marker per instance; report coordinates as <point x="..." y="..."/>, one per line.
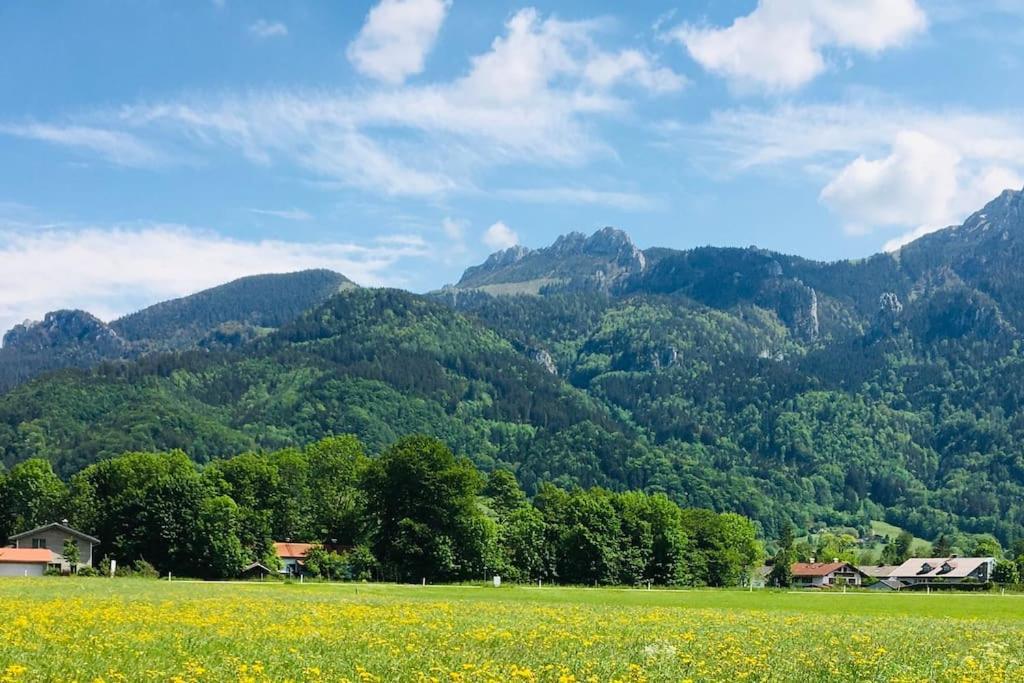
<point x="87" y="571"/>
<point x="144" y="570"/>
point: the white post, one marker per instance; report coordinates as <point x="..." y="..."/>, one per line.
<point x="169" y="579"/>
<point x="424" y="582"/>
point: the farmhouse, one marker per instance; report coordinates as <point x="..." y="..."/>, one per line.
<point x="878" y="571"/>
<point x="293" y="557"/>
<point x="27" y="561"/>
<point x="51" y="537"/>
<point x="825" y="574"/>
<point x="937" y="572"/>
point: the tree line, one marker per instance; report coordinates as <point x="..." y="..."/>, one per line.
<point x="414" y="512"/>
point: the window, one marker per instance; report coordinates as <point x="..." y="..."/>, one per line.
<point x="38" y="543"/>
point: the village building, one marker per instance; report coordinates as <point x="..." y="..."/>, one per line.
<point x="27" y="561"/>
<point x="945" y="572"/>
<point x="878" y="571"/>
<point x="825" y="574"/>
<point x="51" y="537"/>
<point x="293" y="557"/>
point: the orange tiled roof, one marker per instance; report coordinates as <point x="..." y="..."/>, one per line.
<point x="27" y="555"/>
<point x="293" y="550"/>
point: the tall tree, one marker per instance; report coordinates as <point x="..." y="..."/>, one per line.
<point x="423" y="503"/>
<point x="781" y="575"/>
<point x="337" y="465"/>
<point x="942" y="547"/>
<point x="31" y="495"/>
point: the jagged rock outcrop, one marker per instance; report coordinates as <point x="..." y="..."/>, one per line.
<point x="542" y="358"/>
<point x="574" y="261"/>
<point x="64" y="329"/>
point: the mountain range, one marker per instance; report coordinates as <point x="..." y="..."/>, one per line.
<point x="789" y="390"/>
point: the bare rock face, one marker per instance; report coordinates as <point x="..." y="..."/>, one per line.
<point x="617" y="247"/>
<point x="574" y="261"/>
<point x="64" y="330"/>
<point x="542" y="358"/>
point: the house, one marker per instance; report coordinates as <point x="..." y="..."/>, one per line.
<point x="879" y="571"/>
<point x="28" y="561"/>
<point x="52" y="537"/>
<point x="885" y="585"/>
<point x="293" y="557"/>
<point x="945" y="572"/>
<point x="256" y="570"/>
<point x="825" y="574"/>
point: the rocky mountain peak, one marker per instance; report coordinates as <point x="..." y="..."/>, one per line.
<point x="598" y="260"/>
<point x="60" y="329"/>
<point x="1002" y="214"/>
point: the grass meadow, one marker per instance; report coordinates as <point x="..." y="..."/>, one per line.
<point x="91" y="630"/>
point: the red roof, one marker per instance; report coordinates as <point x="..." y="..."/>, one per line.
<point x="292" y="551"/>
<point x="816" y="568"/>
<point x="26" y="555"/>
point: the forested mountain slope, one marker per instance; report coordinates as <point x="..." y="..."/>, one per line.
<point x="226" y="315"/>
<point x="738" y="379"/>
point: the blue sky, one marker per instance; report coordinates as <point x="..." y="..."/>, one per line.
<point x="152" y="148"/>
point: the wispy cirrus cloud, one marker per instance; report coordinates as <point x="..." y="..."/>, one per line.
<point x="626" y="201"/>
<point x="532" y="98"/>
<point x="117" y="146"/>
<point x="113" y="270"/>
<point x="284" y="214"/>
<point x="262" y="28"/>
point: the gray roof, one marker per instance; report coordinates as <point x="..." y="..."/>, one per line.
<point x="878" y="571"/>
<point x="887" y="584"/>
<point x="940" y="567"/>
<point x="60" y="527"/>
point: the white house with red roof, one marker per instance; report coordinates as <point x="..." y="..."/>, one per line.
<point x="826" y="574"/>
<point x="293" y="556"/>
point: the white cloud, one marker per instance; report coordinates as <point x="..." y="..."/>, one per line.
<point x="533" y="97"/>
<point x="632" y="66"/>
<point x="781" y="45"/>
<point x="626" y="201"/>
<point x="285" y="214"/>
<point x="500" y="236"/>
<point x="111" y="271"/>
<point x="527" y="99"/>
<point x="261" y="28"/>
<point x="121" y="148"/>
<point x="915" y="183"/>
<point x="880" y="165"/>
<point x="972" y="194"/>
<point x="396" y="38"/>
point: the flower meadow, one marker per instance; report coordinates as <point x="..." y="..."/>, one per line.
<point x="100" y="630"/>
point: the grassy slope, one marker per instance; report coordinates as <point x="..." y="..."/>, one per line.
<point x="919" y="547"/>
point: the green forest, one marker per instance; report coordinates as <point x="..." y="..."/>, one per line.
<point x="416" y="512"/>
<point x="797" y="394"/>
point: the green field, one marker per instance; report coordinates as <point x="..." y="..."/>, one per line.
<point x="136" y="630"/>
